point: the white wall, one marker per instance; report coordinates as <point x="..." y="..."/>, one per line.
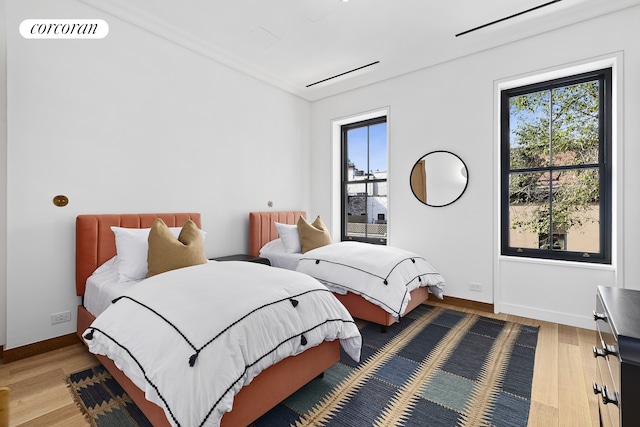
<point x="131" y="123"/>
<point x="452" y="107"/>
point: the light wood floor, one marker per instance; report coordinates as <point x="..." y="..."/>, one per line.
<point x="561" y="394"/>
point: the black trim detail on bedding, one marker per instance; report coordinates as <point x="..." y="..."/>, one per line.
<point x="267" y="354"/>
<point x="144" y="373"/>
<point x="384" y="279"/>
<point x="194" y="357"/>
<point x="370" y="298"/>
<point x="394" y="311"/>
<point x="381" y="304"/>
<point x="303" y="342"/>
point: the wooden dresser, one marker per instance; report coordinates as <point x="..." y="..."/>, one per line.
<point x="617" y="353"/>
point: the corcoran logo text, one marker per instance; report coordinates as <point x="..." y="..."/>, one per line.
<point x="64" y="29"/>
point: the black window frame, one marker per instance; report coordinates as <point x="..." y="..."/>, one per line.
<point x="344" y="196"/>
<point x="604" y="165"/>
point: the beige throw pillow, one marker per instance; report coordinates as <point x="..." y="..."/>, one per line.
<point x="313" y="235"/>
<point x="168" y="253"/>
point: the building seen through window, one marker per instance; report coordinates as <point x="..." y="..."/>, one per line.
<point x="364" y="181"/>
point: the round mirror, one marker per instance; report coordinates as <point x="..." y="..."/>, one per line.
<point x="439" y="178"/>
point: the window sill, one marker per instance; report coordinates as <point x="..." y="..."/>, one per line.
<point x="557" y="263"/>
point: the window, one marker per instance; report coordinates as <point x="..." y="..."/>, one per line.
<point x="364" y="181"/>
<point x="556" y="169"/>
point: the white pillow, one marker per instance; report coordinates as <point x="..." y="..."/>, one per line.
<point x="290" y="237"/>
<point x="132" y="247"/>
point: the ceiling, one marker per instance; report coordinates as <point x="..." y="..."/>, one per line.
<point x="292" y="44"/>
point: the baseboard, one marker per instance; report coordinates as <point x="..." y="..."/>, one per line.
<point x="464" y="303"/>
<point x="584" y="322"/>
<point x="39" y="347"/>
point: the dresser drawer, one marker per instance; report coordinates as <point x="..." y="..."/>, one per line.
<point x="617" y="351"/>
<point x="609" y="413"/>
<point x="607" y="346"/>
<point x="606" y="384"/>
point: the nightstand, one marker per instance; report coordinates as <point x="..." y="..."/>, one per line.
<point x="243" y="257"/>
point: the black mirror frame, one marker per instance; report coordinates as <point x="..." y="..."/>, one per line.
<point x="461" y="193"/>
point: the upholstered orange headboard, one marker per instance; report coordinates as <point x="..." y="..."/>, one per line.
<point x="262" y="228"/>
<point x="96" y="243"/>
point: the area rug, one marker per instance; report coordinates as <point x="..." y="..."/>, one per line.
<point x="437" y="367"/>
<point x="103" y="402"/>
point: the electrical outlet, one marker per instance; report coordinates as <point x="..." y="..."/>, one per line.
<point x="475" y="287"/>
<point x="64" y="316"/>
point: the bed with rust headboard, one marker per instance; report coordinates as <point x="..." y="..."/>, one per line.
<point x="95" y="245"/>
<point x="262" y="230"/>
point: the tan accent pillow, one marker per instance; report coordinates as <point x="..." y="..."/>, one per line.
<point x="313" y="235"/>
<point x="168" y="253"/>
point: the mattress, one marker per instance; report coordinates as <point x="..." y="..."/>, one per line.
<point x="103" y="287"/>
<point x="274" y="251"/>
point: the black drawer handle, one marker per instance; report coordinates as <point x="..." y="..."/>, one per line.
<point x="599" y="316"/>
<point x="607" y="396"/>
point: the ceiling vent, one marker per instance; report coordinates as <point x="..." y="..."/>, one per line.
<point x="350" y="73"/>
<point x="507" y="18"/>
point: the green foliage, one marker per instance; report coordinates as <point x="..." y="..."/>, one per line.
<point x="550" y="130"/>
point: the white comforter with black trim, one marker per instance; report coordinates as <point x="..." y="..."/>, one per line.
<point x="384" y="275"/>
<point x="191" y="338"/>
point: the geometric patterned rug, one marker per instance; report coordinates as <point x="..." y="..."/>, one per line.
<point x="437" y="367"/>
<point x="103" y="402"/>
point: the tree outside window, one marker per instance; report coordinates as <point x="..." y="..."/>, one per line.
<point x="556" y="171"/>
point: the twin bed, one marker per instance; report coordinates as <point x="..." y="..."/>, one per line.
<point x="376" y="283"/>
<point x="164" y="341"/>
<point x="175" y="328"/>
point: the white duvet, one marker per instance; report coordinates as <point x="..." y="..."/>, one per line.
<point x="384" y="275"/>
<point x="192" y="337"/>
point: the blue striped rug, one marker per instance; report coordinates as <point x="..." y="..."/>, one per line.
<point x="437" y="367"/>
